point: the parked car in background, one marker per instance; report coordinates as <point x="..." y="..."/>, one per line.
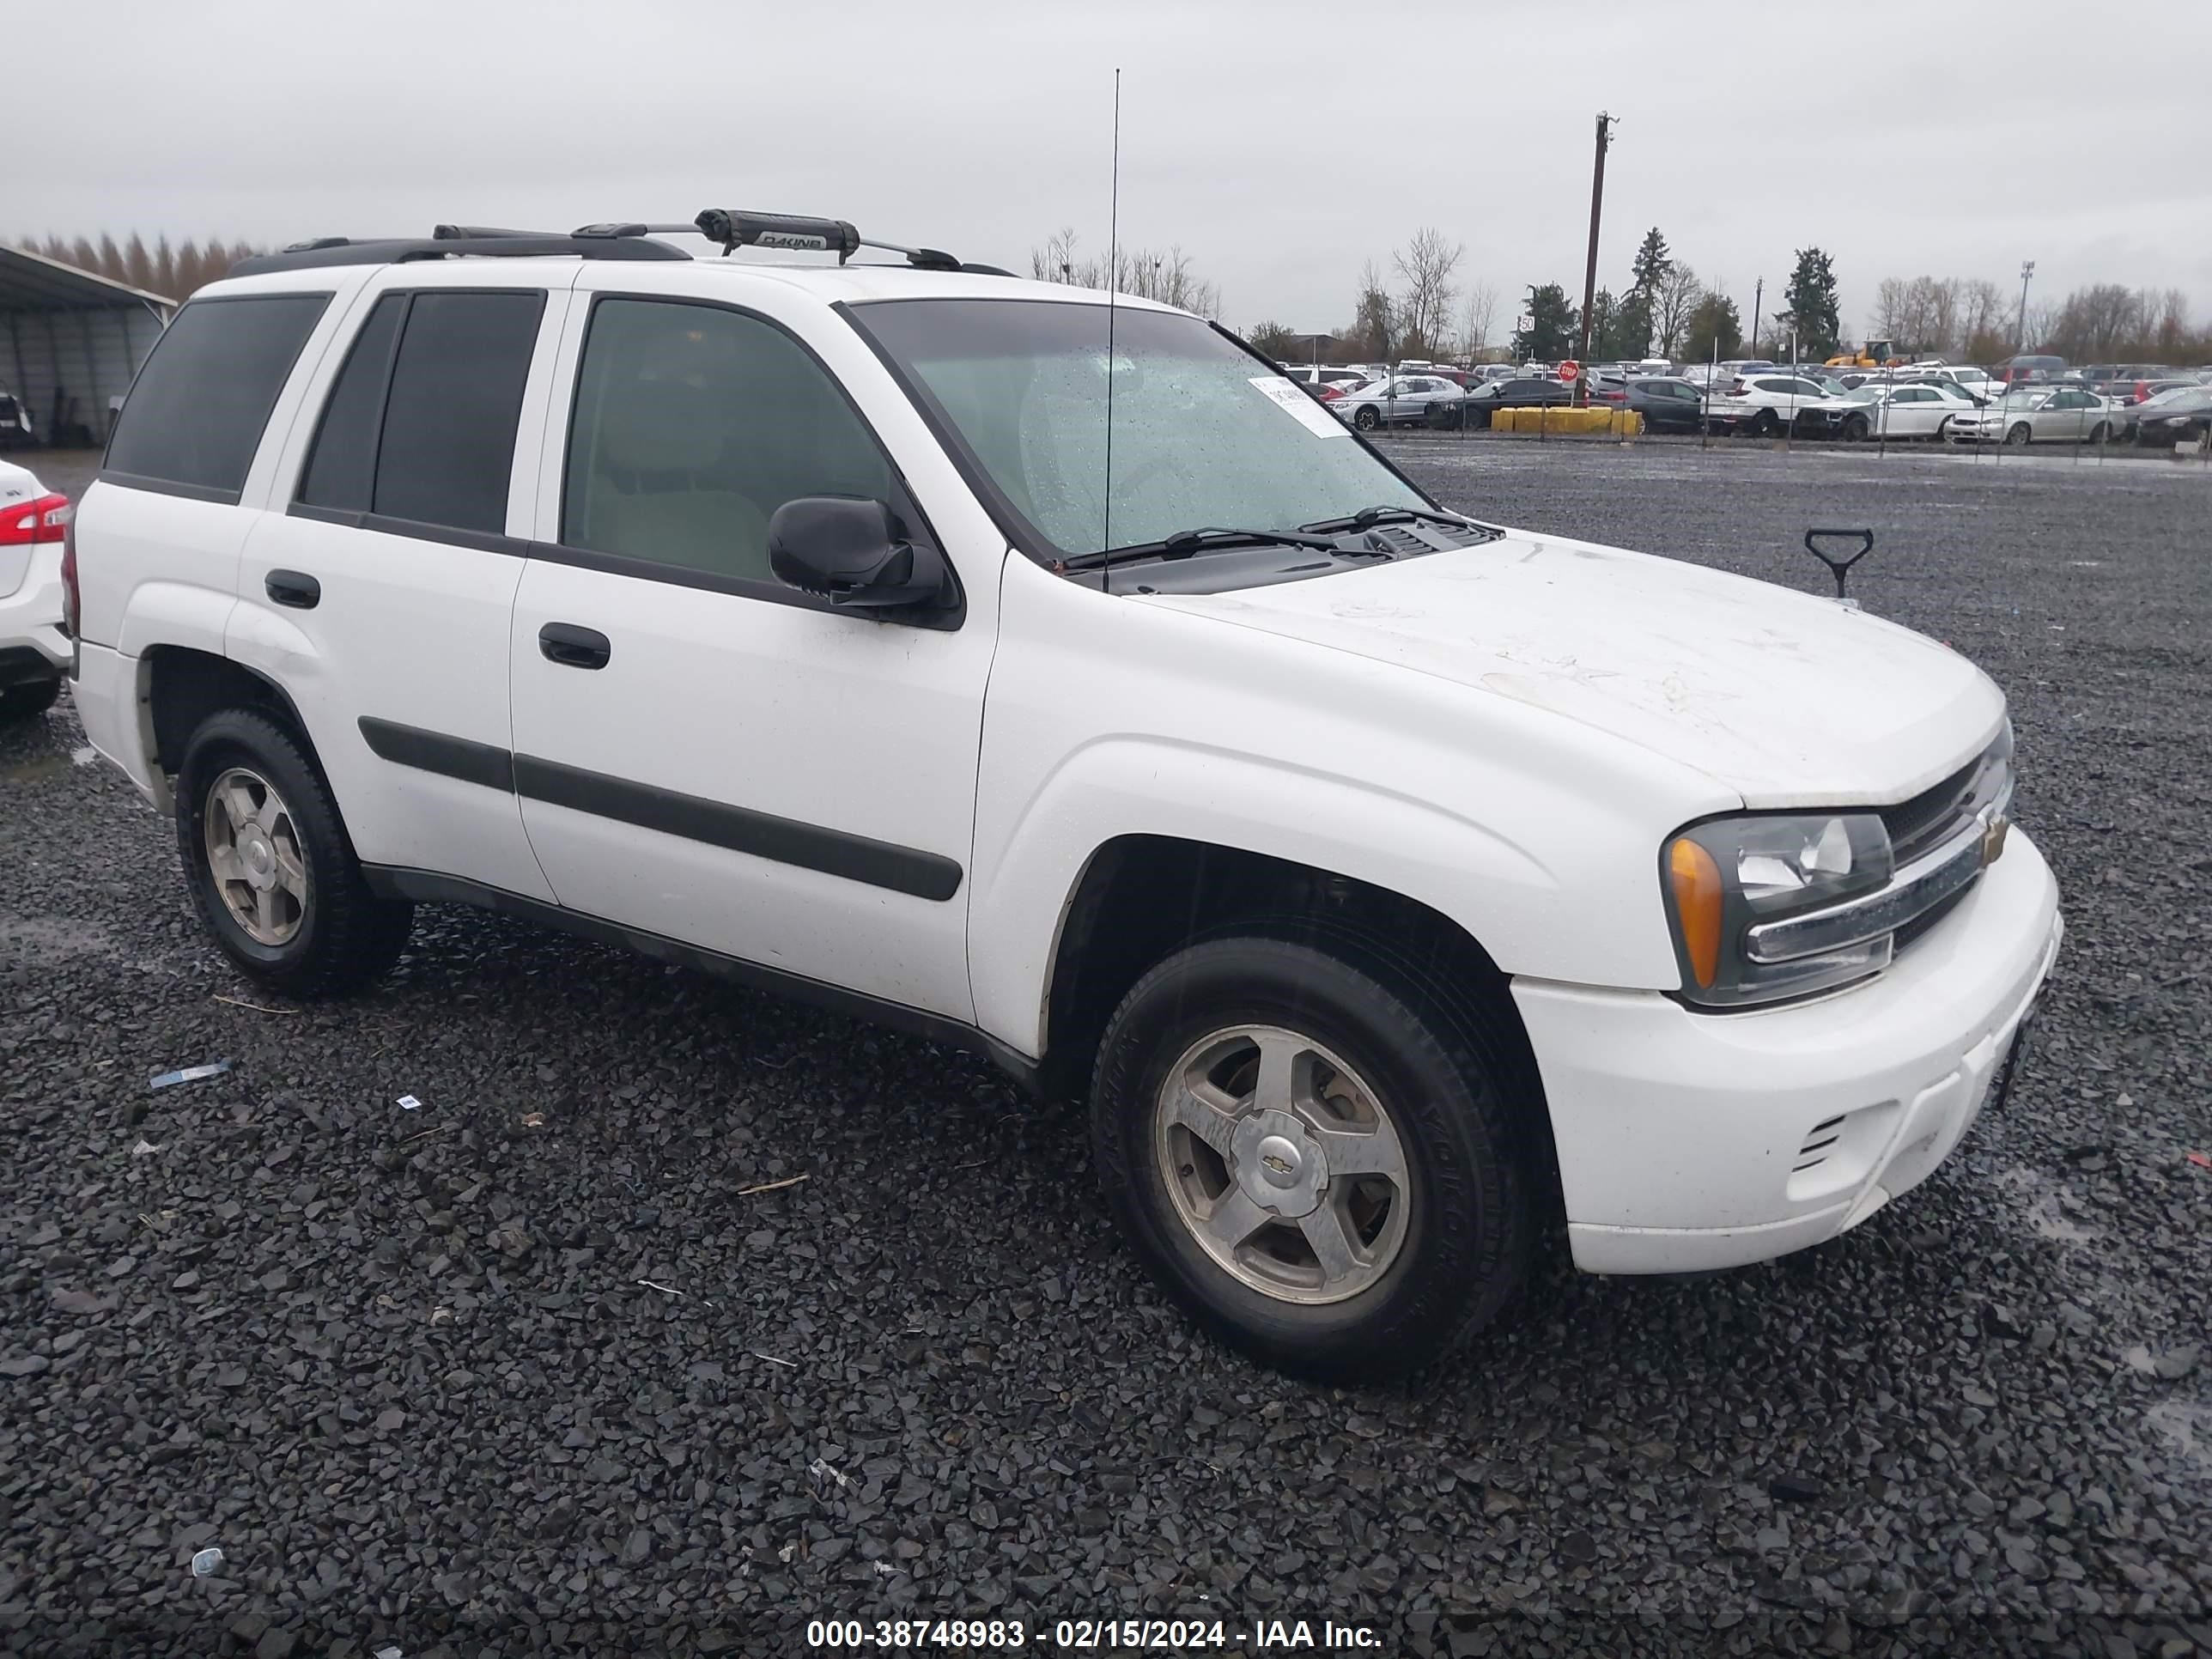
<point x="1924" y="409"/>
<point x="2171" y="418"/>
<point x="1765" y="405"/>
<point x="34" y="651"/>
<point x="1977" y="385"/>
<point x="2040" y="415"/>
<point x="2029" y="367"/>
<point x="1402" y="400"/>
<point x="1667" y="402"/>
<point x="1496" y="371"/>
<point x="1480" y="402"/>
<point x="1326" y="375"/>
<point x="16" y="431"/>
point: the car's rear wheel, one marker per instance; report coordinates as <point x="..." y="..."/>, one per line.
<point x="2099" y="432"/>
<point x="2019" y="433"/>
<point x="1942" y="433"/>
<point x="269" y="865"/>
<point x="1316" y="1160"/>
<point x="1366" y="417"/>
<point x="20" y="702"/>
<point x="1766" y="425"/>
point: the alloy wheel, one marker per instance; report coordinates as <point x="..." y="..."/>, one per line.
<point x="1283" y="1164"/>
<point x="254" y="853"/>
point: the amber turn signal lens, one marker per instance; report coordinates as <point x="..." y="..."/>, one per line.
<point x="1697" y="881"/>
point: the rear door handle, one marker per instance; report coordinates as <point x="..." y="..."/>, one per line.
<point x="294" y="588"/>
<point x="573" y="647"/>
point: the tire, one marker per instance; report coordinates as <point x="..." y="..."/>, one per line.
<point x="1443" y="1253"/>
<point x="1943" y="432"/>
<point x="2100" y="433"/>
<point x="326" y="933"/>
<point x="2021" y="432"/>
<point x="1766" y="425"/>
<point x="21" y="702"/>
<point x="1367" y="418"/>
<point x="1856" y="429"/>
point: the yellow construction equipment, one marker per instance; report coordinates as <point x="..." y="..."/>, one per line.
<point x="1874" y="354"/>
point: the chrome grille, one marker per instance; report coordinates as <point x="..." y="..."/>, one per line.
<point x="1933" y="816"/>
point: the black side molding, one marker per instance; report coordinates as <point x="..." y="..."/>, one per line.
<point x="739" y="829"/>
<point x="785" y="841"/>
<point x="426" y="887"/>
<point x="433" y="752"/>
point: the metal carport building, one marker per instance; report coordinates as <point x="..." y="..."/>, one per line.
<point x="70" y="342"/>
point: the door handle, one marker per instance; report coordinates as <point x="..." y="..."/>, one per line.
<point x="573" y="647"/>
<point x="294" y="588"/>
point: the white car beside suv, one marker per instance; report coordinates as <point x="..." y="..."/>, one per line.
<point x="33" y="650"/>
<point x="1392" y="884"/>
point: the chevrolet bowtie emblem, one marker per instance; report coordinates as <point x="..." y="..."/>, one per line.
<point x="1993" y="839"/>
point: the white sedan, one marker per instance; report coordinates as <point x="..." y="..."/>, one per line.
<point x="1402" y="400"/>
<point x="34" y="652"/>
<point x="2040" y="415"/>
<point x="1925" y="410"/>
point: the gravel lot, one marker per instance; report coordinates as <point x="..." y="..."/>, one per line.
<point x="531" y="1368"/>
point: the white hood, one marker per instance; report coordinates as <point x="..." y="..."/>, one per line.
<point x="1786" y="698"/>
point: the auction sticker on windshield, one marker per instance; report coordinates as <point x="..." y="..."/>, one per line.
<point x="1300" y="407"/>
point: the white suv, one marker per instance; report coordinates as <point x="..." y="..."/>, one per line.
<point x="1391" y="884"/>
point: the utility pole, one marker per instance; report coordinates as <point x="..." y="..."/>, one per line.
<point x="1758" y="294"/>
<point x="2026" y="271"/>
<point x="1605" y="125"/>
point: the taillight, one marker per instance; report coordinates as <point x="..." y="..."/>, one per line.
<point x="44" y="519"/>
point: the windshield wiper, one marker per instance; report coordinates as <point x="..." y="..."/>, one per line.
<point x="1368" y="517"/>
<point x="1184" y="542"/>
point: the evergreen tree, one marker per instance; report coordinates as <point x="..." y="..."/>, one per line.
<point x="1714" y="330"/>
<point x="1551" y="330"/>
<point x="1810" y="299"/>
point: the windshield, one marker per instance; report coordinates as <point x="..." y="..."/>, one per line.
<point x="1204" y="434"/>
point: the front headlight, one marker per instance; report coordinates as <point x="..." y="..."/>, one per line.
<point x="1726" y="875"/>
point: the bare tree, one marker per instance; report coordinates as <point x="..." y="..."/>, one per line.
<point x="1676" y="297"/>
<point x="1481" y="317"/>
<point x="1425" y="263"/>
<point x="1985" y="332"/>
<point x="1055" y="261"/>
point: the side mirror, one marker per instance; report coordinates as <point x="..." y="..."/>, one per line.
<point x="852" y="551"/>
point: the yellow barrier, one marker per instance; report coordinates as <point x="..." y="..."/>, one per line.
<point x="1555" y="421"/>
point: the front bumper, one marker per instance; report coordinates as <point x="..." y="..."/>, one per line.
<point x="1690" y="1141"/>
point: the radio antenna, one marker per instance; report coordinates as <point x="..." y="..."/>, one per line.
<point x="1113" y="282"/>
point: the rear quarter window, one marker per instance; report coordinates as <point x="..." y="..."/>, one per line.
<point x="195" y="416"/>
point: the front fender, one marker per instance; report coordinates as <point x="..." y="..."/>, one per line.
<point x="1108" y="719"/>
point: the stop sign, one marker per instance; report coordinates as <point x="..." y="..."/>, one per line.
<point x="1570" y="371"/>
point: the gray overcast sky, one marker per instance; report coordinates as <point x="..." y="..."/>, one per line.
<point x="1279" y="143"/>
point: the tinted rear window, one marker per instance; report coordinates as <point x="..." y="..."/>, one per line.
<point x="449" y="438"/>
<point x="196" y="414"/>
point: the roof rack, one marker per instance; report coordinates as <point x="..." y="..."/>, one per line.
<point x="451" y="242"/>
<point x="733" y="228"/>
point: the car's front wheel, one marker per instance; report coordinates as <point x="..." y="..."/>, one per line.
<point x="1367" y="418"/>
<point x="1317" y="1159"/>
<point x="2019" y="433"/>
<point x="269" y="865"/>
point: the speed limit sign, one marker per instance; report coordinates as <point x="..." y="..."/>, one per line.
<point x="1570" y="371"/>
